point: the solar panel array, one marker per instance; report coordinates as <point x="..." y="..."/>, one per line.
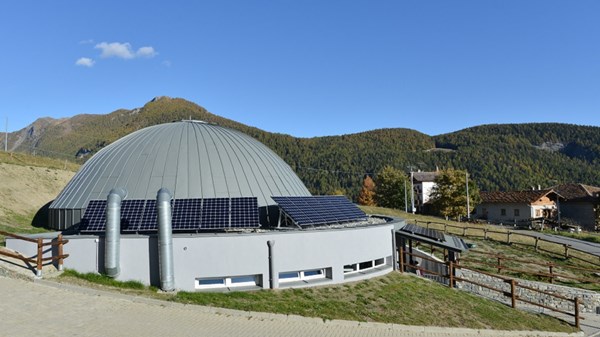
<point x="186" y="214"/>
<point x="425" y="232"/>
<point x="319" y="210"/>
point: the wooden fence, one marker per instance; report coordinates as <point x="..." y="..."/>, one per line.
<point x="39" y="258"/>
<point x="450" y="276"/>
<point x="508" y="237"/>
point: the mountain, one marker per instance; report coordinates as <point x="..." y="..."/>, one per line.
<point x="511" y="156"/>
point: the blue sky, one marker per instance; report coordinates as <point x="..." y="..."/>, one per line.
<point x="307" y="68"/>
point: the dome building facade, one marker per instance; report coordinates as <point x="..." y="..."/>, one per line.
<point x="195" y="161"/>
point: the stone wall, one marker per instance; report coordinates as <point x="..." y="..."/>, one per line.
<point x="590" y="300"/>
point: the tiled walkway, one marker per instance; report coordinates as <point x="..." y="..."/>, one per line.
<point x="50" y="309"/>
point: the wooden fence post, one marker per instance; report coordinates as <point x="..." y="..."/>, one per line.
<point x="499" y="264"/>
<point x="60" y="252"/>
<point x="451" y="274"/>
<point x="40" y="253"/>
<point x="464" y="231"/>
<point x="566" y="251"/>
<point x="550" y="267"/>
<point x="508" y="237"/>
<point x="445" y="228"/>
<point x="513" y="295"/>
<point x="577" y="312"/>
<point x="485" y="237"/>
<point x="536" y="243"/>
<point x="401" y="256"/>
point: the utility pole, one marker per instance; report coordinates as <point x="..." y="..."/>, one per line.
<point x="6" y="137"/>
<point x="412" y="192"/>
<point x="405" y="198"/>
<point x="468" y="205"/>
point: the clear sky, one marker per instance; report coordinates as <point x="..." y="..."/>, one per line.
<point x="307" y="67"/>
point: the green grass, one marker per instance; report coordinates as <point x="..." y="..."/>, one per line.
<point x="103" y="280"/>
<point x="394" y="298"/>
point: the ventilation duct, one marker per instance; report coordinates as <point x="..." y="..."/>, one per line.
<point x="112" y="255"/>
<point x="165" y="240"/>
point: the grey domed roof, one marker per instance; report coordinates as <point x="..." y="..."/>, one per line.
<point x="192" y="159"/>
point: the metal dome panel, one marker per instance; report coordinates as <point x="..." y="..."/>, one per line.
<point x="192" y="159"/>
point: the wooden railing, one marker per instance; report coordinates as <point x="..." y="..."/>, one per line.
<point x="39" y="259"/>
<point x="551" y="274"/>
<point x="450" y="276"/>
<point x="510" y="238"/>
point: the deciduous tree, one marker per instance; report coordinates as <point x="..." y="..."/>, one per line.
<point x="449" y="195"/>
<point x="367" y="192"/>
<point x="390" y="188"/>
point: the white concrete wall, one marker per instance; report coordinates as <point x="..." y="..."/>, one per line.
<point x="240" y="254"/>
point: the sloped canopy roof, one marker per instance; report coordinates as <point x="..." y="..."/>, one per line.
<point x="192" y="159"/>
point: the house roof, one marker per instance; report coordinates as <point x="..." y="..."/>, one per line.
<point x="425" y="176"/>
<point x="577" y="191"/>
<point x="526" y="196"/>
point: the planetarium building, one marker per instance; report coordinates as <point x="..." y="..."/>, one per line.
<point x="196" y="206"/>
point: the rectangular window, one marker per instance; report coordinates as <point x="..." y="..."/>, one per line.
<point x="292" y="276"/>
<point x="379" y="262"/>
<point x="225" y="282"/>
<point x="210" y="282"/>
<point x="365" y="265"/>
<point x="350" y="268"/>
<point x="503" y="211"/>
<point x="517" y="212"/>
<point x="289" y="276"/>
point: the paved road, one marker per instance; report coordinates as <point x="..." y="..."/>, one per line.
<point x="49" y="309"/>
<point x="590" y="247"/>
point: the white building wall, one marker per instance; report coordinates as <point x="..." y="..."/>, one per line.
<point x="217" y="255"/>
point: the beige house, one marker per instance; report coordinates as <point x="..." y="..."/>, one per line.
<point x="517" y="206"/>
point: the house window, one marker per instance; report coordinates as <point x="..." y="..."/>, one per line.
<point x="502" y="211"/>
<point x="517" y="212"/>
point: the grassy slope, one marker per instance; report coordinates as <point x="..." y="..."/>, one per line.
<point x="394" y="298"/>
<point x="520" y="249"/>
<point x="28" y="183"/>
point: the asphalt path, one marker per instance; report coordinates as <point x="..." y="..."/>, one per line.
<point x="590" y="247"/>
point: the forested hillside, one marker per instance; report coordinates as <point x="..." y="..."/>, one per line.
<point x="497" y="156"/>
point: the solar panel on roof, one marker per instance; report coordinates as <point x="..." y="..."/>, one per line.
<point x="425" y="232"/>
<point x="319" y="210"/>
<point x="186" y="214"/>
<point x="215" y="213"/>
<point x="131" y="214"/>
<point x="148" y="221"/>
<point x="244" y="212"/>
<point x="94" y="218"/>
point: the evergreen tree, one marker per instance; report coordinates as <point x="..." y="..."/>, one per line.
<point x="367" y="193"/>
<point x="391" y="188"/>
<point x="449" y="195"/>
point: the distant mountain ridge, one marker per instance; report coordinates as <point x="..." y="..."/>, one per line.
<point x="498" y="157"/>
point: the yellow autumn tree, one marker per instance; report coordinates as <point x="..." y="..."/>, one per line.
<point x="367" y="192"/>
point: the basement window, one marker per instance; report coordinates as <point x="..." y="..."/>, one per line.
<point x="228" y="282"/>
<point x="303" y="275"/>
<point x="362" y="266"/>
